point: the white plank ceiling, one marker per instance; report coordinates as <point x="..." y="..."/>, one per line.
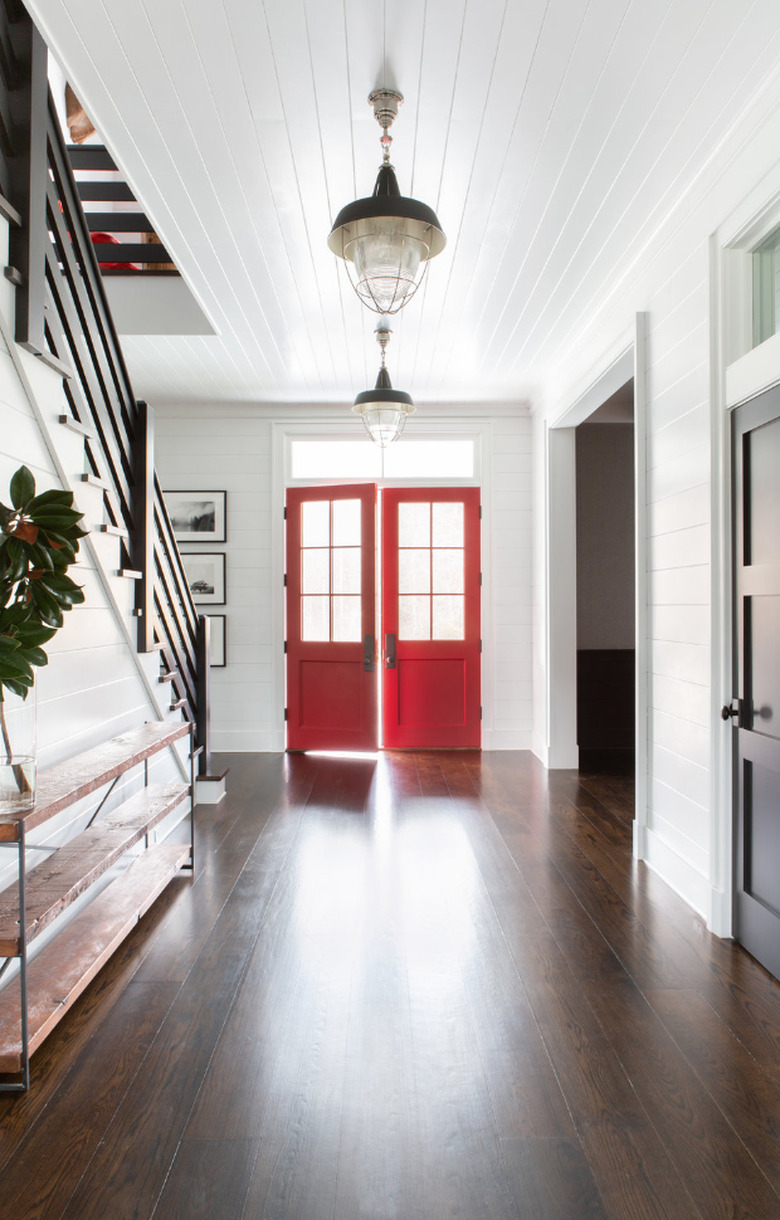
<point x="551" y="137"/>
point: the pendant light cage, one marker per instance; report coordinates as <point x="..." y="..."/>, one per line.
<point x="387" y="239"/>
<point x="383" y="410"/>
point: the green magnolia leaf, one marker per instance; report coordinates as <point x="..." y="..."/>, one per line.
<point x="57" y="518"/>
<point x="55" y="496"/>
<point x="22" y="487"/>
<point x="35" y="656"/>
<point x="8" y="644"/>
<point x="16" y="687"/>
<point x="40" y="556"/>
<point x="47" y="607"/>
<point x="12" y="666"/>
<point x="32" y="634"/>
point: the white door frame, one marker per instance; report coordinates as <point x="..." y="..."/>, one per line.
<point x="561" y="570"/>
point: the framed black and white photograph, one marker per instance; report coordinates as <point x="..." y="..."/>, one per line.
<point x="205" y="577"/>
<point x="197" y="516"/>
<point x="217" y="653"/>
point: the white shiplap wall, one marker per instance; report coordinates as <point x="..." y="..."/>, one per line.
<point x="233" y="448"/>
<point x="231" y="451"/>
<point x="670" y="282"/>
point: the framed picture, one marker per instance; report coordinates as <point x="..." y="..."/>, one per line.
<point x="205" y="577"/>
<point x="197" y="516"/>
<point x="217" y="656"/>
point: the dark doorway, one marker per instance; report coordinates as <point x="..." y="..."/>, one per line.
<point x="605" y="586"/>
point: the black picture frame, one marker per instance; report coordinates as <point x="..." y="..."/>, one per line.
<point x="205" y="571"/>
<point x="197" y="516"/>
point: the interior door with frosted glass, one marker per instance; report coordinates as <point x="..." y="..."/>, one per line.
<point x="331" y="672"/>
<point x="431" y="618"/>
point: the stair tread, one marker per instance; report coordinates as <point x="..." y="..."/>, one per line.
<point x="69" y="781"/>
<point x="64" y="967"/>
<point x="59" y="879"/>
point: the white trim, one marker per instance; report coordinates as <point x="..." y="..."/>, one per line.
<point x="558" y="630"/>
<point x="755" y="372"/>
<point x="737" y="373"/>
<point x="562" y="748"/>
<point x="642" y="674"/>
<point x="683" y="878"/>
<point x="615" y="375"/>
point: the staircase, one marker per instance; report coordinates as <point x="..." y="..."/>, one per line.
<point x="81" y="900"/>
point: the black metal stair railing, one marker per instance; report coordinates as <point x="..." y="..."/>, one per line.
<point x="63" y="317"/>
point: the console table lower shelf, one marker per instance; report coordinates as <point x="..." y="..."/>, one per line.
<point x="46" y="987"/>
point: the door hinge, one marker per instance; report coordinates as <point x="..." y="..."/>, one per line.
<point x="480" y="512"/>
<point x="285" y="645"/>
<point x="285" y="713"/>
<point x="480" y="580"/>
<point x="480" y="645"/>
<point x="285" y="513"/>
<point x="284" y="579"/>
<point x="480" y="713"/>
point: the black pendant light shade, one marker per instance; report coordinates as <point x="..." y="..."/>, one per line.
<point x="386" y="239"/>
<point x="384" y="411"/>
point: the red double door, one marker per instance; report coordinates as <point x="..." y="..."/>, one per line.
<point x="425" y="664"/>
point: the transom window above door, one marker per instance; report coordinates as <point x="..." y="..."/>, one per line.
<point x="444" y="458"/>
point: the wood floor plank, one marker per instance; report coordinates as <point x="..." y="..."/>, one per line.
<point x="64" y="1140"/>
<point x="209" y="1180"/>
<point x="430" y="985"/>
<point x="709" y="1153"/>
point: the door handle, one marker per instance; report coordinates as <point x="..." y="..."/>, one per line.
<point x="731" y="710"/>
<point x="368" y="653"/>
<point x="389" y="652"/>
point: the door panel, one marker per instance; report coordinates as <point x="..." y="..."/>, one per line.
<point x="331" y="671"/>
<point x="756" y="455"/>
<point x="430" y="615"/>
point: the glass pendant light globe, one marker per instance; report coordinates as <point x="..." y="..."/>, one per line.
<point x="384" y="411"/>
<point x="387" y="239"/>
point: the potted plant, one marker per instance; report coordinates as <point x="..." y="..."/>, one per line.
<point x="39" y="540"/>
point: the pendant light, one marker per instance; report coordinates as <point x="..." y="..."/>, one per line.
<point x="387" y="239"/>
<point x="383" y="409"/>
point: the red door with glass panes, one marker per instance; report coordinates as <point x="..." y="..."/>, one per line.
<point x="331" y="672"/>
<point x="431" y="617"/>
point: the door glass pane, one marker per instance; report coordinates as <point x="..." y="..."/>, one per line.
<point x="448" y="571"/>
<point x="315" y="523"/>
<point x="414" y="524"/>
<point x="346" y="619"/>
<point x="346" y="569"/>
<point x="448" y="525"/>
<point x="414" y="571"/>
<point x="346" y="523"/>
<point x="764" y="615"/>
<point x="315" y="571"/>
<point x="766" y="288"/>
<point x="448" y="618"/>
<point x="315" y="618"/>
<point x="764" y="543"/>
<point x="414" y="618"/>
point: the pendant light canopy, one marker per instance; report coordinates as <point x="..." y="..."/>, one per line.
<point x="387" y="239"/>
<point x="383" y="410"/>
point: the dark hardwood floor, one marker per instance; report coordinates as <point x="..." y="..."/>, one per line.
<point x="429" y="986"/>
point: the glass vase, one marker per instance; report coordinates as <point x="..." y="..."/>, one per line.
<point x="18" y="749"/>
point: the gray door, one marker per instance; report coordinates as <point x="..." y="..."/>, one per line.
<point x="756" y="455"/>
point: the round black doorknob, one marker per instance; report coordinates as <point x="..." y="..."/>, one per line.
<point x="727" y="711"/>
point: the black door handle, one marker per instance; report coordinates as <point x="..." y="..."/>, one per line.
<point x="729" y="710"/>
<point x="389" y="652"/>
<point x="368" y="653"/>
